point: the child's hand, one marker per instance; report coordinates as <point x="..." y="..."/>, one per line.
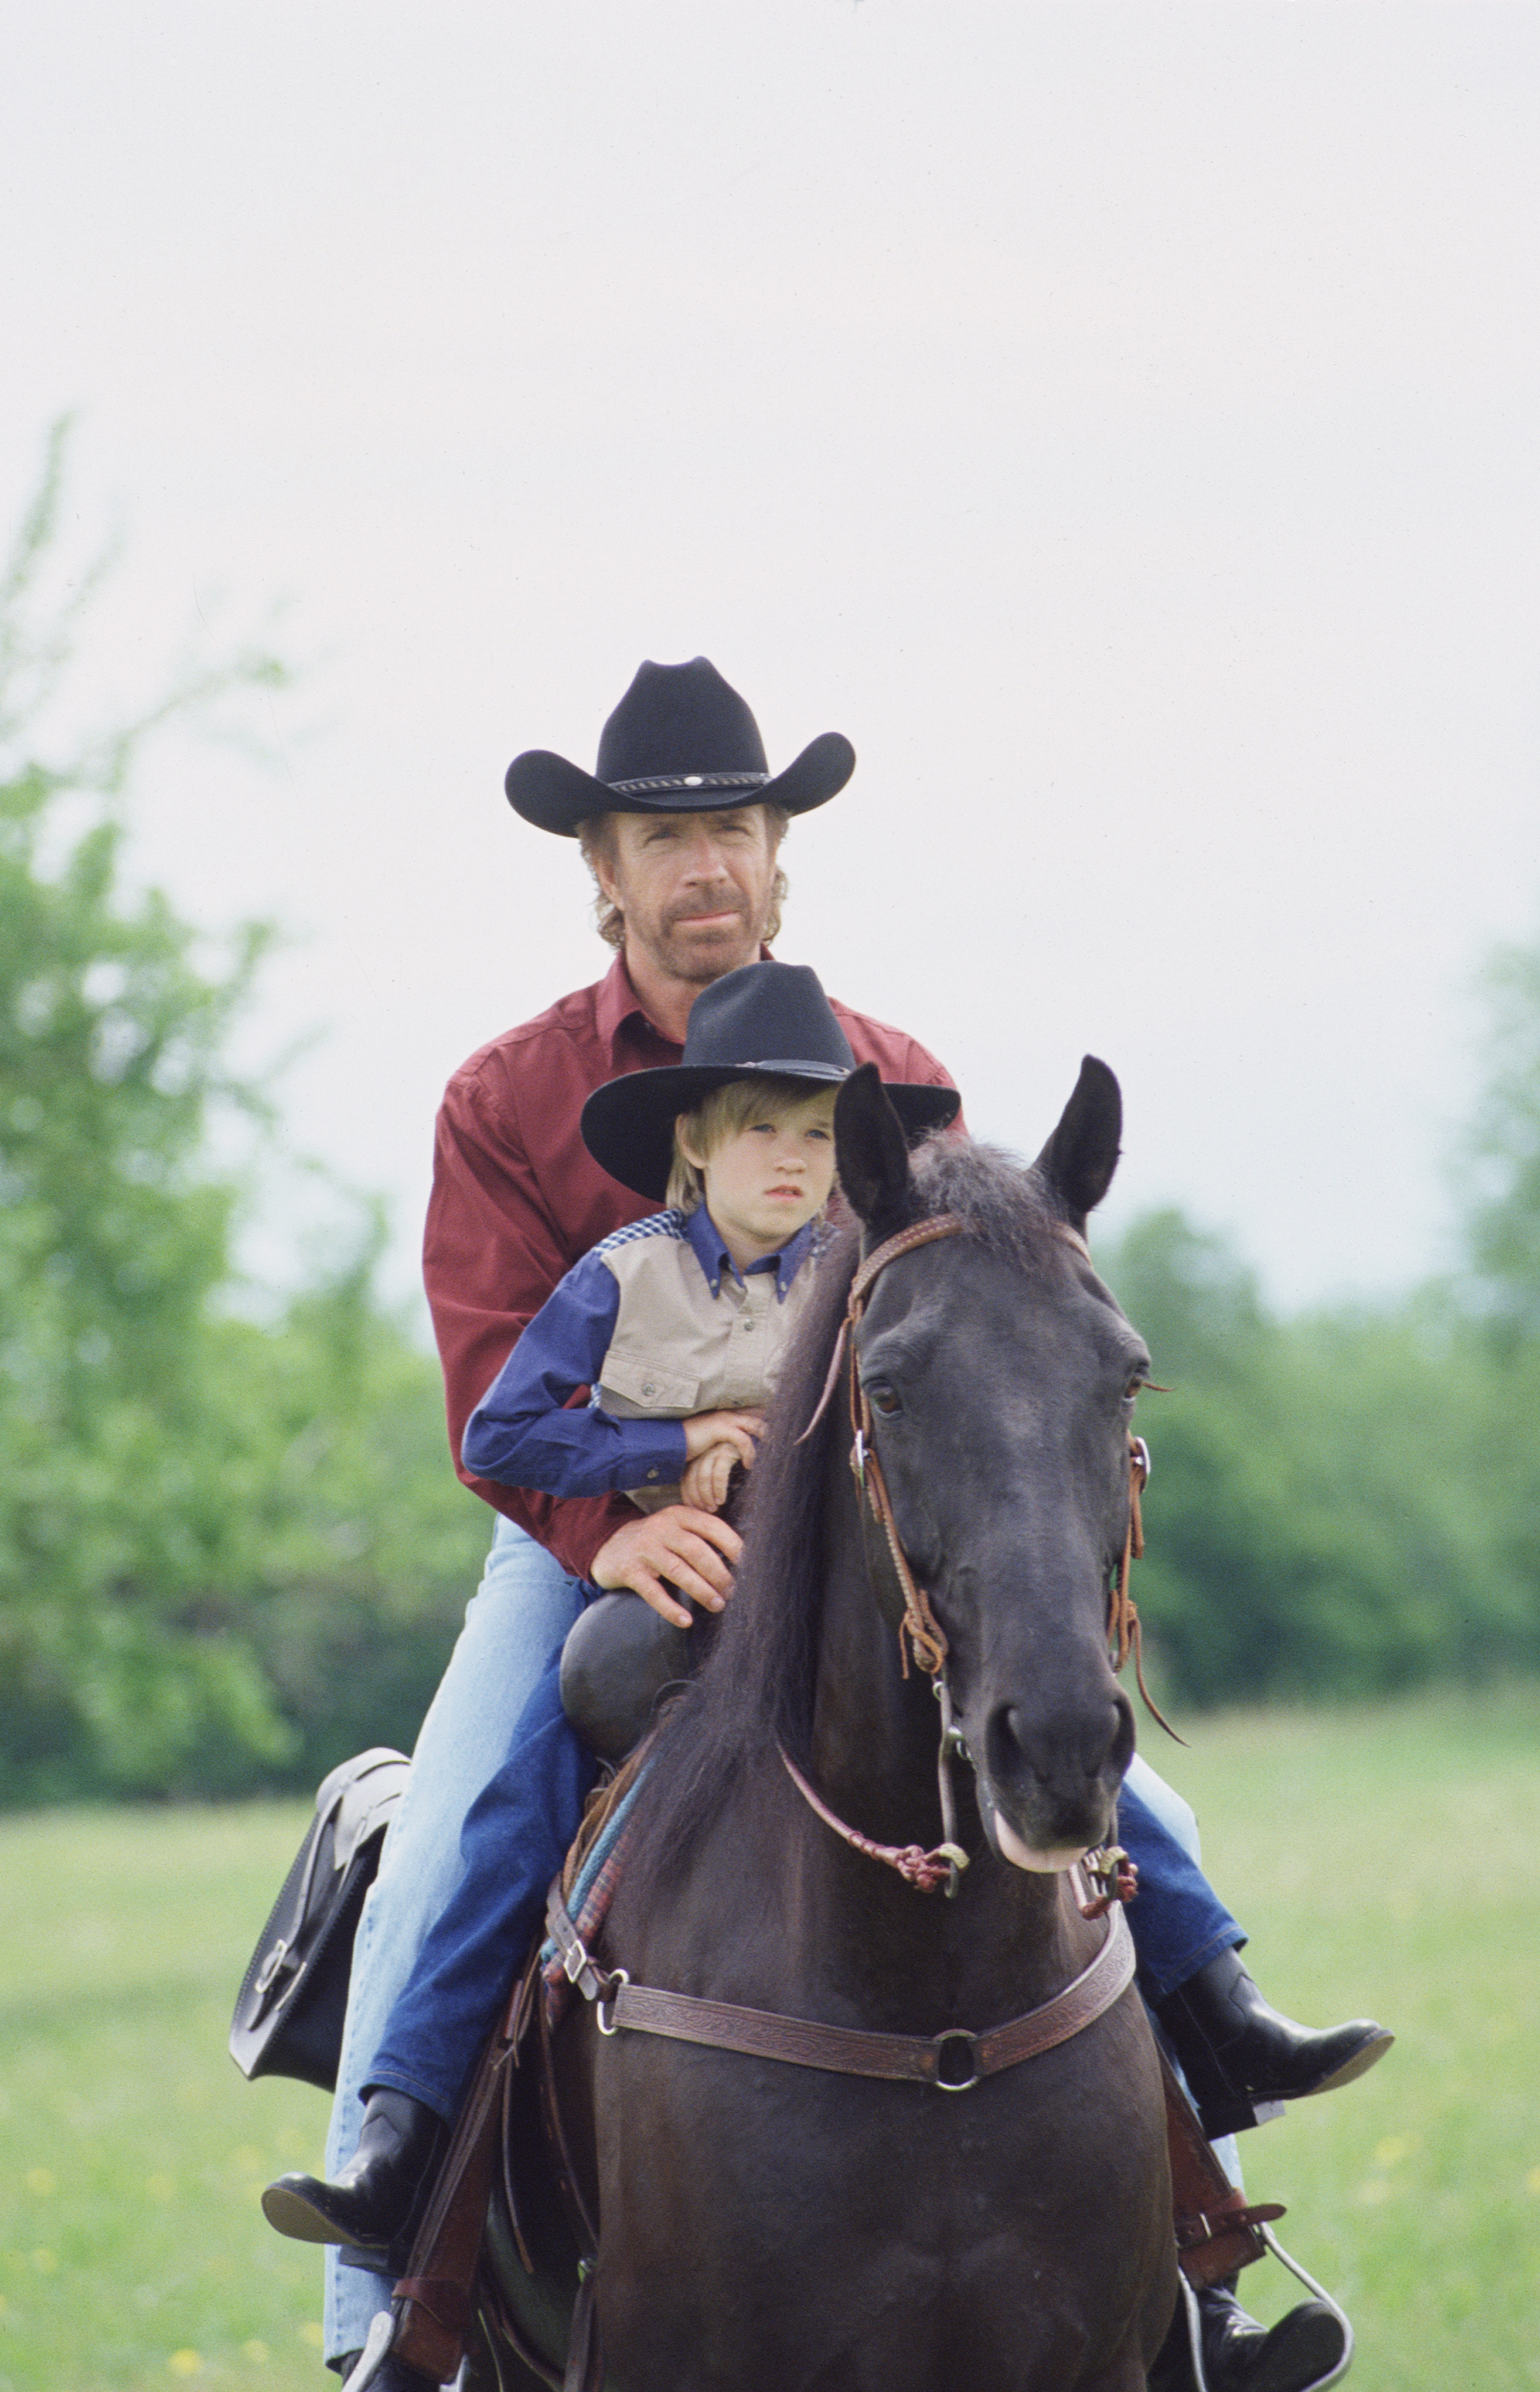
<point x="739" y="1430"/>
<point x="704" y="1482"/>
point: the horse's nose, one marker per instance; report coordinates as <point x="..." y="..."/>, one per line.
<point x="1061" y="1754"/>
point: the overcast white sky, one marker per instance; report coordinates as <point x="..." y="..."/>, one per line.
<point x="1120" y="421"/>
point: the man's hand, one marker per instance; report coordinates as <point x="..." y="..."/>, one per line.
<point x="691" y="1549"/>
<point x="706" y="1479"/>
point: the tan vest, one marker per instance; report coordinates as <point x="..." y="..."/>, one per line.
<point x="679" y="1349"/>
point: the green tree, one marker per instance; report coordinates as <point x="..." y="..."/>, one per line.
<point x="1321" y="1516"/>
<point x="212" y="1532"/>
<point x="1502" y="1281"/>
<point x="1504" y="1228"/>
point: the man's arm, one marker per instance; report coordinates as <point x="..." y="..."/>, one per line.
<point x="897" y="1056"/>
<point x="491" y="1255"/>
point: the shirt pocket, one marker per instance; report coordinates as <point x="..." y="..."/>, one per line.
<point x="645" y="1385"/>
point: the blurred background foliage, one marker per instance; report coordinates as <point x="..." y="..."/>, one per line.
<point x="231" y="1546"/>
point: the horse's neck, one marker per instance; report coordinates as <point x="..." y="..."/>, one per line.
<point x="876" y="1740"/>
<point x="874" y="1730"/>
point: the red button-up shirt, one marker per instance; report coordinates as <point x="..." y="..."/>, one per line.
<point x="517" y="1199"/>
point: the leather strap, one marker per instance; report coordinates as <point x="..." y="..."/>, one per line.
<point x="584" y="2371"/>
<point x="1217" y="2231"/>
<point x="923" y="1233"/>
<point x="856" y="2051"/>
<point x="920" y="1233"/>
<point x="435" y="2302"/>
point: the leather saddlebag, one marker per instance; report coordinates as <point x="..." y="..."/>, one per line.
<point x="292" y="2000"/>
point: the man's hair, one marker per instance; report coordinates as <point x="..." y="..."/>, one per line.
<point x="720" y="1115"/>
<point x="593" y="840"/>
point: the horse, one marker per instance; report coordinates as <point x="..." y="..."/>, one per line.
<point x="965" y="2219"/>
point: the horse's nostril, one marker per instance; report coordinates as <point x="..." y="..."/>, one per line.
<point x="1055" y="1749"/>
<point x="1005" y="1751"/>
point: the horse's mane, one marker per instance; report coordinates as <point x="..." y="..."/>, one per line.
<point x="757" y="1688"/>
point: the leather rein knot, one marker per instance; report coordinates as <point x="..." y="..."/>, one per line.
<point x="925" y="1871"/>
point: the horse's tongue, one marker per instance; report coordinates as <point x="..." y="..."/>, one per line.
<point x="1022" y="1856"/>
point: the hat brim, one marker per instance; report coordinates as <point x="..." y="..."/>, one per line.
<point x="628" y="1123"/>
<point x="557" y="796"/>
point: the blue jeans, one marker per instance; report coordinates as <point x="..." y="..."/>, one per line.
<point x="1197" y="1921"/>
<point x="516" y="1835"/>
<point x="525" y="1606"/>
<point x="1179" y="1922"/>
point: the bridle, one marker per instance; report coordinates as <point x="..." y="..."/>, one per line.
<point x="919" y="1630"/>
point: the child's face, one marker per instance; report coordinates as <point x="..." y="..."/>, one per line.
<point x="764" y="1181"/>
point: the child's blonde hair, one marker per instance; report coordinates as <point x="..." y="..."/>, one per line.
<point x="720" y="1115"/>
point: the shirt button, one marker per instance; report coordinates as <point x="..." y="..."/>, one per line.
<point x="648" y="1387"/>
<point x="651" y="1474"/>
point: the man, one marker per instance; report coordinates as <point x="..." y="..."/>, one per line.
<point x="680" y="824"/>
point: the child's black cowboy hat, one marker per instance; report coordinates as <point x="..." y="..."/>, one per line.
<point x="766" y="1021"/>
<point x="680" y="741"/>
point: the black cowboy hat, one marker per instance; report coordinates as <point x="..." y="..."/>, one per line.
<point x="680" y="741"/>
<point x="766" y="1021"/>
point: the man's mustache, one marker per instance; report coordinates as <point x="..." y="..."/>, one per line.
<point x="705" y="912"/>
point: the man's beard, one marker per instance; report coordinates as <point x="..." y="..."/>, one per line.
<point x="705" y="960"/>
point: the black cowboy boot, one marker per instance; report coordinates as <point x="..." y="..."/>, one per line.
<point x="370" y="2202"/>
<point x="1235" y="2050"/>
<point x="1302" y="2350"/>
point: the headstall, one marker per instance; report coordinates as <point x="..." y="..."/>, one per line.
<point x="919" y="1630"/>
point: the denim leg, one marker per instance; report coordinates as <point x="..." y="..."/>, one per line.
<point x="524" y="1606"/>
<point x="1159" y="1832"/>
<point x="517" y="1833"/>
<point x="1178" y="1921"/>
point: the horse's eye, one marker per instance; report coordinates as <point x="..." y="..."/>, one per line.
<point x="883" y="1400"/>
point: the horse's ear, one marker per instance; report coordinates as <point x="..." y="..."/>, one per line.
<point x="871" y="1150"/>
<point x="1080" y="1159"/>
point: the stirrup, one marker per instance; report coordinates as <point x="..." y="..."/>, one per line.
<point x="376" y="2351"/>
<point x="1194" y="2335"/>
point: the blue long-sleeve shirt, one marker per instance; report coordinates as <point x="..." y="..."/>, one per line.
<point x="524" y="1431"/>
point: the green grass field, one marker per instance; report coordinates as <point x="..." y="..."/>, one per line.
<point x="1379" y="1858"/>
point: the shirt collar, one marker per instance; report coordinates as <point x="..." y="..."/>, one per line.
<point x="713" y="1256"/>
<point x="617" y="1002"/>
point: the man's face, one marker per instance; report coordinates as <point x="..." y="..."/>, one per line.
<point x="694" y="889"/>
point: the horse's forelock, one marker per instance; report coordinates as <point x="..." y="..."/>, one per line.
<point x="1000" y="1201"/>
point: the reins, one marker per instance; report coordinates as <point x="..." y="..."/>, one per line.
<point x="917" y="1867"/>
